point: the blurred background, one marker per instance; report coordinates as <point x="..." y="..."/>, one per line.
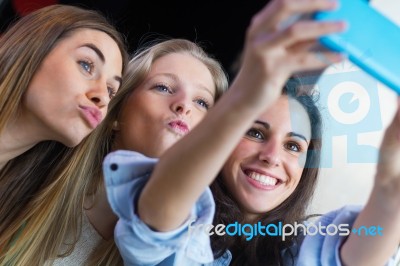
<point x="218" y="25"/>
<point x="356" y="108"/>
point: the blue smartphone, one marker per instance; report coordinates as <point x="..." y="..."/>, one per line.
<point x="372" y="41"/>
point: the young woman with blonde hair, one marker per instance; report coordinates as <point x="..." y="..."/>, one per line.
<point x="172" y="85"/>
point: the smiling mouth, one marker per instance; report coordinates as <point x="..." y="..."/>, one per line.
<point x="262" y="181"/>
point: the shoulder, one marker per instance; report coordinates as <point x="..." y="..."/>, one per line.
<point x="125" y="175"/>
<point x="122" y="166"/>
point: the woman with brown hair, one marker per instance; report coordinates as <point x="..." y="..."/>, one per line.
<point x="59" y="68"/>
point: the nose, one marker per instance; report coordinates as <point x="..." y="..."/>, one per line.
<point x="99" y="94"/>
<point x="270" y="153"/>
<point x="181" y="105"/>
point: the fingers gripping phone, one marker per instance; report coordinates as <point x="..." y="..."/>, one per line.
<point x="371" y="41"/>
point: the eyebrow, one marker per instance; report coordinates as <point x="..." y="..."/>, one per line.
<point x="207" y="90"/>
<point x="290" y="134"/>
<point x="118" y="79"/>
<point x="96" y="50"/>
<point x="176" y="79"/>
<point x="264" y="124"/>
<point x="101" y="56"/>
<point x="293" y="134"/>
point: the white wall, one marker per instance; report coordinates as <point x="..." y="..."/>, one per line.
<point x="346" y="182"/>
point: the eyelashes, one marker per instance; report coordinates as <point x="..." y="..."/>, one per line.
<point x="167" y="89"/>
<point x="204" y="103"/>
<point x="87" y="66"/>
<point x="259" y="136"/>
<point x="163" y="88"/>
<point x="293" y="146"/>
<point x="111" y="92"/>
<point x="256" y="134"/>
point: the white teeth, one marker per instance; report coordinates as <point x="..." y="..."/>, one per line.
<point x="263" y="179"/>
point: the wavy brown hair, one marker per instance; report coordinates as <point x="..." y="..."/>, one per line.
<point x="267" y="250"/>
<point x="31" y="183"/>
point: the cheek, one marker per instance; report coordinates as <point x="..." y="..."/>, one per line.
<point x="130" y="120"/>
<point x="148" y="105"/>
<point x="54" y="75"/>
<point x="29" y="100"/>
<point x="135" y="107"/>
<point x="295" y="162"/>
<point x="41" y="102"/>
<point x="301" y="161"/>
<point x="296" y="171"/>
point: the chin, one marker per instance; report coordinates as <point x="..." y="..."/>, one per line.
<point x="73" y="141"/>
<point x="148" y="151"/>
<point x="256" y="207"/>
<point x="163" y="147"/>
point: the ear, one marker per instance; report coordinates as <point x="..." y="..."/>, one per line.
<point x="115" y="126"/>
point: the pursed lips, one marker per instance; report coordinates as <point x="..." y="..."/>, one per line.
<point x="92" y="115"/>
<point x="178" y="126"/>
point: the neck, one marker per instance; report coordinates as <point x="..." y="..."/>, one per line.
<point x="100" y="214"/>
<point x="20" y="134"/>
<point x="15" y="139"/>
<point x="250" y="217"/>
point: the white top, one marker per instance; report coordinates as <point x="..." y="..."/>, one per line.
<point x="87" y="242"/>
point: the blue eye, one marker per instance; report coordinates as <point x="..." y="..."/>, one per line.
<point x="163" y="88"/>
<point x="255" y="134"/>
<point x="203" y="103"/>
<point x="86" y="66"/>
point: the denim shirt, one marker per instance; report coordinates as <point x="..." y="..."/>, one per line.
<point x="127" y="172"/>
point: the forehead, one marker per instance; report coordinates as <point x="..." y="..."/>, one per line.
<point x="288" y="115"/>
<point x="184" y="65"/>
<point x="90" y="35"/>
<point x="173" y="60"/>
<point x="79" y="39"/>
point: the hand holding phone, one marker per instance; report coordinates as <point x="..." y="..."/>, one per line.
<point x="371" y="41"/>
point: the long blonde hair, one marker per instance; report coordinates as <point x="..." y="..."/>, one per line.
<point x="25" y="178"/>
<point x="56" y="212"/>
<point x="100" y="143"/>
